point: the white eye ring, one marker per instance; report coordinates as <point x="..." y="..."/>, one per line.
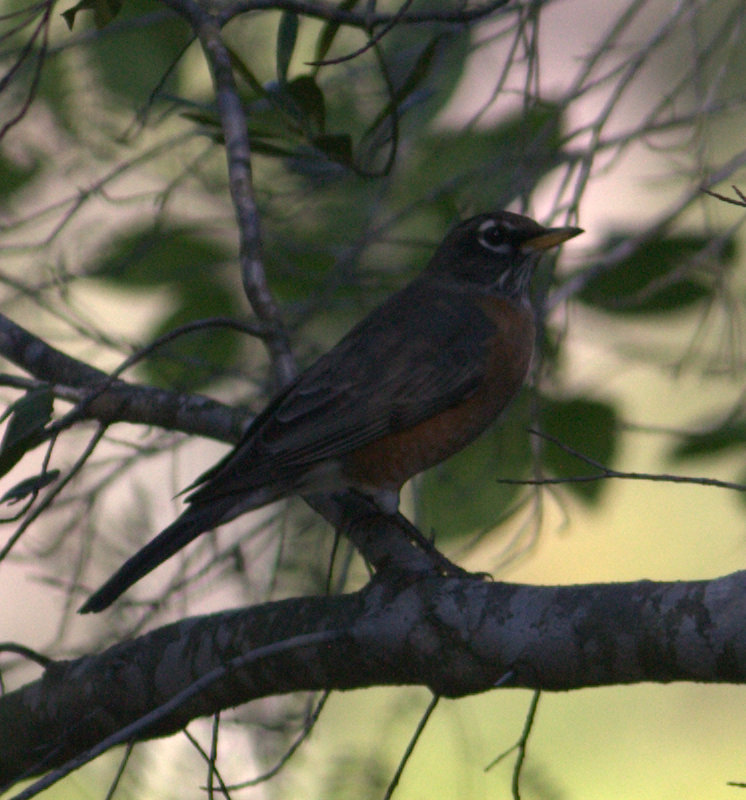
<point x="502" y="249"/>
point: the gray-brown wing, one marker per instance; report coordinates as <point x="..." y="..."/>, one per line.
<point x="416" y="355"/>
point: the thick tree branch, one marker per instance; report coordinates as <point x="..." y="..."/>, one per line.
<point x="110" y="400"/>
<point x="455" y="636"/>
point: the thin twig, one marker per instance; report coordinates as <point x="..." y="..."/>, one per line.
<point x="740" y="202"/>
<point x="607" y="472"/>
<point x="287" y="755"/>
<point x="372" y="42"/>
<point x="199" y="686"/>
<point x="48" y="499"/>
<point x="515" y="784"/>
<point x="521" y="746"/>
<point x="26" y="652"/>
<point x="410" y="746"/>
<point x="129" y="747"/>
<point x="208" y="758"/>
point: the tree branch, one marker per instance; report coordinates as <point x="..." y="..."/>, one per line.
<point x="457" y="637"/>
<point x="107" y="399"/>
<point x="365" y="20"/>
<point x="234" y="125"/>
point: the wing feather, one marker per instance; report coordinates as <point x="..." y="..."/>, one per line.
<point x="383" y="377"/>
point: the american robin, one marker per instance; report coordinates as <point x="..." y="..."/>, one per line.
<point x="414" y="382"/>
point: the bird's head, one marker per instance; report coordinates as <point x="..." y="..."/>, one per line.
<point x="496" y="252"/>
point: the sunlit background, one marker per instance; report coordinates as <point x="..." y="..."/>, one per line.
<point x="677" y="372"/>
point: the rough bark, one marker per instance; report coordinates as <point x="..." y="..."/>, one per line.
<point x="457" y="636"/>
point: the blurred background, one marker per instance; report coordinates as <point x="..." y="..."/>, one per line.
<point x="116" y="226"/>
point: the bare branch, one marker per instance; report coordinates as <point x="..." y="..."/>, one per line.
<point x="741" y="197"/>
<point x="410" y="746"/>
<point x="365" y="20"/>
<point x="302" y="736"/>
<point x="455" y="636"/>
<point x="34" y="50"/>
<point x="234" y="125"/>
<point x="608" y="472"/>
<point x="372" y="42"/>
<point x="110" y="400"/>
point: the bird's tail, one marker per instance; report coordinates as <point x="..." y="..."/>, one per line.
<point x="194" y="521"/>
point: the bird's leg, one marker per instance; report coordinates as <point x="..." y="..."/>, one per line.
<point x="441" y="564"/>
<point x="389" y="541"/>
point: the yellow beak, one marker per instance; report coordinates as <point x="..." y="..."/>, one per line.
<point x="551" y="237"/>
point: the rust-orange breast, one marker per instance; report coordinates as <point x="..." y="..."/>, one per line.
<point x="394" y="458"/>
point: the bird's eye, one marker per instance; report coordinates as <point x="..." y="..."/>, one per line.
<point x="492" y="236"/>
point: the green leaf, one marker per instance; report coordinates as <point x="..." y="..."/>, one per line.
<point x="265" y="148"/>
<point x="192" y="361"/>
<point x="29" y="486"/>
<point x="14" y="177"/>
<point x="287" y="35"/>
<point x="104" y="11"/>
<point x="298" y="265"/>
<point x="706" y="444"/>
<point x="263" y="129"/>
<point x="28" y="416"/>
<point x="463" y="494"/>
<point x="309" y="99"/>
<point x="586" y="426"/>
<point x="412" y="81"/>
<point x="277" y="115"/>
<point x="157" y="255"/>
<point x="209" y="124"/>
<point x="136" y="62"/>
<point x="337" y="147"/>
<point x="207" y="118"/>
<point x="482" y="167"/>
<point x="196" y="272"/>
<point x="329" y="32"/>
<point x="246" y="74"/>
<point x="657" y="277"/>
<point x="445" y="79"/>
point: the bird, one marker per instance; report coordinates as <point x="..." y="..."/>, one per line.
<point x="410" y="385"/>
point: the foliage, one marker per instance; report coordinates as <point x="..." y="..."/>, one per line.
<point x="114" y="181"/>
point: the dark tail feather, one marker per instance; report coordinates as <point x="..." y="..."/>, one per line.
<point x="179" y="533"/>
